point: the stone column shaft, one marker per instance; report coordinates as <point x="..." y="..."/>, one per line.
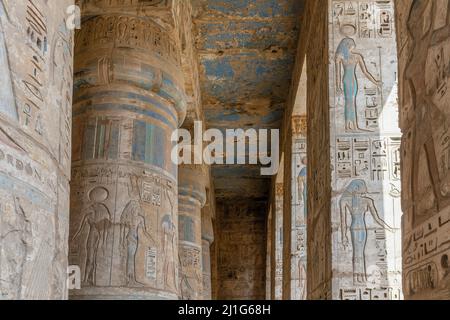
<point x="129" y="98"/>
<point x="299" y="209"/>
<point x="365" y="150"/>
<point x="269" y="249"/>
<point x="191" y="199"/>
<point x="278" y="252"/>
<point x="36" y="59"/>
<point x="207" y="241"/>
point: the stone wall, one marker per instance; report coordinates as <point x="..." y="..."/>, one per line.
<point x="424" y="82"/>
<point x="36" y="51"/>
<point x="241" y="250"/>
<point x="365" y="151"/>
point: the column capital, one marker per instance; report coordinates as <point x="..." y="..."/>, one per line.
<point x="116" y="49"/>
<point x="300" y="125"/>
<point x="279" y="189"/>
<point x="193" y="182"/>
<point x="149" y="8"/>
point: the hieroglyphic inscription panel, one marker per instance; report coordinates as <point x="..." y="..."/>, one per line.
<point x="365" y="151"/>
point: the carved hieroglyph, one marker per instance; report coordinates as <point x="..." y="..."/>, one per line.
<point x="129" y="98"/>
<point x="424" y="82"/>
<point x="365" y="150"/>
<point x="36" y="54"/>
<point x="299" y="209"/>
<point x="192" y="198"/>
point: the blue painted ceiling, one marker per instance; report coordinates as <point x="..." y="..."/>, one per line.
<point x="246" y="50"/>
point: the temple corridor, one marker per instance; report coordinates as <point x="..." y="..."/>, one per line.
<point x="224" y="150"/>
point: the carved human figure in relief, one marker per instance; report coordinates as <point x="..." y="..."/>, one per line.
<point x="302" y="275"/>
<point x="96" y="221"/>
<point x="169" y="231"/>
<point x="16" y="242"/>
<point x="445" y="265"/>
<point x="355" y="202"/>
<point x="302" y="186"/>
<point x="131" y="222"/>
<point x="7" y="100"/>
<point x="347" y="83"/>
<point x="187" y="291"/>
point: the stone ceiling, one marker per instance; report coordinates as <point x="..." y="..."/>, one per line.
<point x="246" y="51"/>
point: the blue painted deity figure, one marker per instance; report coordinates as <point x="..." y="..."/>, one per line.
<point x="355" y="202"/>
<point x="131" y="222"/>
<point x="303" y="187"/>
<point x="347" y="83"/>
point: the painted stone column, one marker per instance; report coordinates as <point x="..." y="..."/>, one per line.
<point x="365" y="150"/>
<point x="207" y="241"/>
<point x="424" y="89"/>
<point x="191" y="199"/>
<point x="36" y="54"/>
<point x="129" y="98"/>
<point x="269" y="249"/>
<point x="299" y="209"/>
<point x="278" y="252"/>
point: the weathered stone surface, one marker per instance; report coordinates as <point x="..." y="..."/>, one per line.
<point x="299" y="208"/>
<point x="207" y="240"/>
<point x="424" y="81"/>
<point x="129" y="98"/>
<point x="191" y="199"/>
<point x="365" y="151"/>
<point x="319" y="178"/>
<point x="278" y="243"/>
<point x="36" y="51"/>
<point x="141" y="228"/>
<point x="246" y="52"/>
<point x="269" y="250"/>
<point x="241" y="251"/>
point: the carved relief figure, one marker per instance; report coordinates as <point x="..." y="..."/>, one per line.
<point x="302" y="275"/>
<point x="186" y="288"/>
<point x="131" y="222"/>
<point x="15" y="241"/>
<point x="445" y="265"/>
<point x="347" y="83"/>
<point x="356" y="203"/>
<point x="96" y="222"/>
<point x="302" y="186"/>
<point x="169" y="231"/>
<point x="7" y="100"/>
